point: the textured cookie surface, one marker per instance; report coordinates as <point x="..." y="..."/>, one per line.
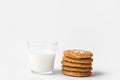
<point x="66" y="63"/>
<point x="78" y="53"/>
<point x="76" y="74"/>
<point x="78" y="69"/>
<point x="82" y="60"/>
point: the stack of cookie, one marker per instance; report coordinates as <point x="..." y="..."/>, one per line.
<point x="77" y="63"/>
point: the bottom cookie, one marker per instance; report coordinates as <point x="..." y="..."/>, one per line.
<point x="76" y="74"/>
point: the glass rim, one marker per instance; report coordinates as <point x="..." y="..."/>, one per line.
<point x="41" y="42"/>
<point x="34" y="43"/>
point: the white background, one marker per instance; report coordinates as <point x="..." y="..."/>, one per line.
<point x="75" y="24"/>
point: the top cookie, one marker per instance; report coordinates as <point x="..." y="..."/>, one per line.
<point x="78" y="53"/>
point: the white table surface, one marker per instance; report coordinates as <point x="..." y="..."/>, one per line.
<point x="14" y="66"/>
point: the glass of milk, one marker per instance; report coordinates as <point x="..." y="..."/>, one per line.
<point x="42" y="56"/>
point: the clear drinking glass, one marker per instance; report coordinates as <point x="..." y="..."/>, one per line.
<point x="42" y="56"/>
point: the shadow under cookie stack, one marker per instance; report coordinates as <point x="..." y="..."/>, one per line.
<point x="77" y="63"/>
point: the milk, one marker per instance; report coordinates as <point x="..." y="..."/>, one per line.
<point x="42" y="61"/>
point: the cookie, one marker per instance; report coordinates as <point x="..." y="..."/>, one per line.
<point x="77" y="69"/>
<point x="66" y="63"/>
<point x="76" y="74"/>
<point x="78" y="53"/>
<point x="82" y="60"/>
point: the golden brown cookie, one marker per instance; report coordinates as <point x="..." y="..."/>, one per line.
<point x="81" y="60"/>
<point x="77" y="69"/>
<point x="78" y="54"/>
<point x="66" y="63"/>
<point x="76" y="74"/>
